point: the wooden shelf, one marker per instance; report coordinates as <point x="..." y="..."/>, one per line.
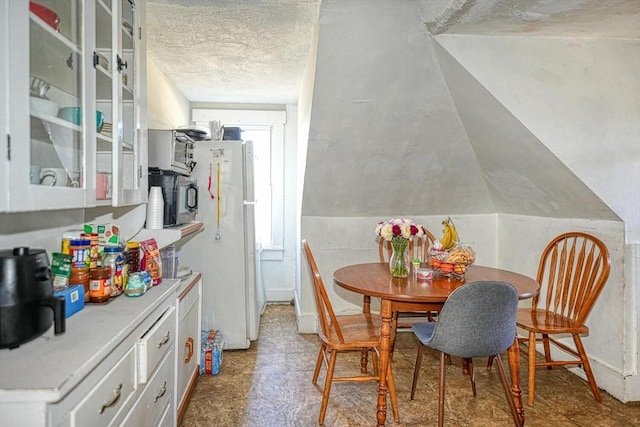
<point x="170" y="235"/>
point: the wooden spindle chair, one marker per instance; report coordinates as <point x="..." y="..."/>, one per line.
<point x="573" y="268"/>
<point x="345" y="333"/>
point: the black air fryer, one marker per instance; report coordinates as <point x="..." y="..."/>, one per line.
<point x="27" y="304"/>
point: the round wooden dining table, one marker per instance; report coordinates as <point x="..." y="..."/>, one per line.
<point x="411" y="294"/>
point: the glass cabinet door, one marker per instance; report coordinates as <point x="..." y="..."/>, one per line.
<point x="74" y="130"/>
<point x="105" y="106"/>
<point x="58" y="118"/>
<point x="118" y="155"/>
<point x="128" y="155"/>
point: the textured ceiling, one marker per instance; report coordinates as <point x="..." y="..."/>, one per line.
<point x="254" y="51"/>
<point x="230" y="50"/>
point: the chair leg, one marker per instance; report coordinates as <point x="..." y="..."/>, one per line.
<point x="316" y="372"/>
<point x="472" y="376"/>
<point x="587" y="368"/>
<point x="327" y="386"/>
<point x="441" y="391"/>
<point x="416" y="370"/>
<point x="507" y="390"/>
<point x="374" y="362"/>
<point x="532" y="368"/>
<point x="547" y="349"/>
<point x="489" y="363"/>
<point x="364" y="361"/>
<point x="366" y="309"/>
<point x="392" y="393"/>
<point x="393" y="331"/>
<point x="366" y="304"/>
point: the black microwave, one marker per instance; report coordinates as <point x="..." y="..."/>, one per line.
<point x="180" y="194"/>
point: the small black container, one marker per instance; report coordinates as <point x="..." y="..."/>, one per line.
<point x="26" y="297"/>
<point x="232" y="134"/>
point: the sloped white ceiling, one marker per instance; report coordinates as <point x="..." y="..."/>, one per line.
<point x="385" y="136"/>
<point x="522" y="174"/>
<point x="399" y="126"/>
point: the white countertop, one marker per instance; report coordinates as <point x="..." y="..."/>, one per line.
<point x="170" y="235"/>
<point x="50" y="366"/>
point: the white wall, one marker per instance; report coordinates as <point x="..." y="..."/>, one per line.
<point x="553" y="126"/>
<point x="336" y="242"/>
<point x="167" y="107"/>
<point x="614" y="357"/>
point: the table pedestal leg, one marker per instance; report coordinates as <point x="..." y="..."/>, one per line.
<point x="514" y="367"/>
<point x="385" y="348"/>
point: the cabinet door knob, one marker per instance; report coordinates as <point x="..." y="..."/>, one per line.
<point x="162" y="391"/>
<point x="189" y="346"/>
<point x="165" y="339"/>
<point x="122" y="65"/>
<point x="114" y="399"/>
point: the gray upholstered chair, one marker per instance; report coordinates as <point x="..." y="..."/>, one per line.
<point x="477" y="320"/>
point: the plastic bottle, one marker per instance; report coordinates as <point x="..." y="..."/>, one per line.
<point x="416" y="266"/>
<point x="95" y="252"/>
<point x="134" y="250"/>
<point x="114" y="259"/>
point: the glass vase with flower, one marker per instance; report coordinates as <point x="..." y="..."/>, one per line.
<point x="399" y="231"/>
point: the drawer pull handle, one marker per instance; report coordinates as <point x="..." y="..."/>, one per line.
<point x="114" y="399"/>
<point x="163" y="390"/>
<point x="189" y="346"/>
<point x="165" y="339"/>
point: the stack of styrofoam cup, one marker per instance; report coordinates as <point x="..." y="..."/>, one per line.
<point x="155" y="209"/>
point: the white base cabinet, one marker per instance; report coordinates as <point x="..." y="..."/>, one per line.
<point x="93" y="373"/>
<point x="188" y="342"/>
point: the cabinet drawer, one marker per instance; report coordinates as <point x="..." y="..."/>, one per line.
<point x="157" y="395"/>
<point x="155" y="343"/>
<point x="188" y="350"/>
<point x="105" y="400"/>
<point x="167" y="418"/>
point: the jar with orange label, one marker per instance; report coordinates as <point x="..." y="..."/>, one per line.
<point x="100" y="285"/>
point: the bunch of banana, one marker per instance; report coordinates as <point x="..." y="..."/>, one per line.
<point x="450" y="236"/>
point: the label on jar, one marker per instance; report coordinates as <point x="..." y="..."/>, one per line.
<point x="100" y="289"/>
<point x="80" y="251"/>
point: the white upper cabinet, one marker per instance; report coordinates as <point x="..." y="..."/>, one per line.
<point x="75" y="106"/>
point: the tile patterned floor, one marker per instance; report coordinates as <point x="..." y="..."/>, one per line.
<point x="269" y="385"/>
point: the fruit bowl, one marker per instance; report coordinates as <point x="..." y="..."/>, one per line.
<point x="453" y="262"/>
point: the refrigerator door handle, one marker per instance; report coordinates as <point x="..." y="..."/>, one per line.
<point x="246" y="202"/>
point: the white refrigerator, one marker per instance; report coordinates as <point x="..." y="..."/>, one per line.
<point x="225" y="252"/>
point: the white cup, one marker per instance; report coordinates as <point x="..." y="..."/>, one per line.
<point x="54" y="177"/>
<point x="155" y="209"/>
